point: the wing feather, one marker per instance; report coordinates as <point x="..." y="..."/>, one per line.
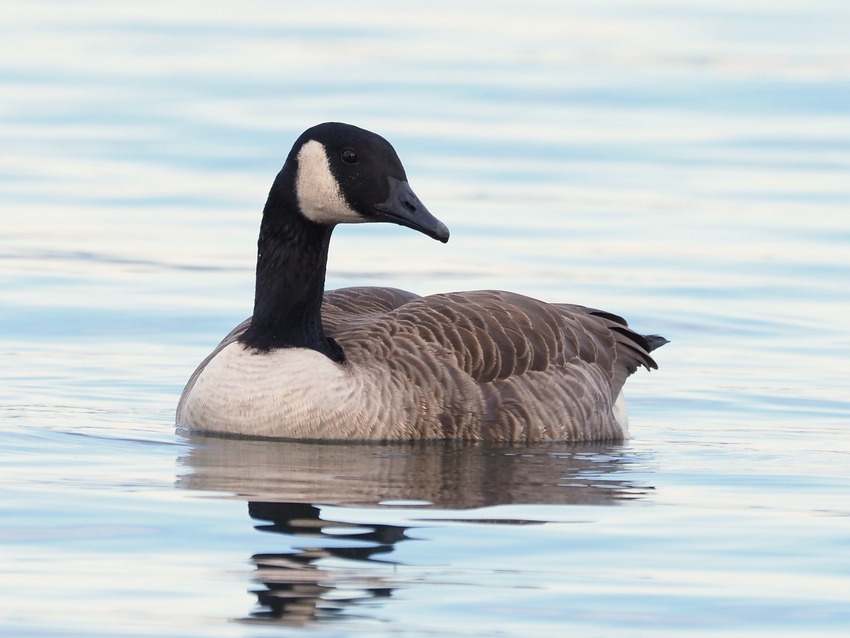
<point x="525" y="369"/>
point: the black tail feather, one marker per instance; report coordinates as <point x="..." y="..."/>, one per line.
<point x="655" y="341"/>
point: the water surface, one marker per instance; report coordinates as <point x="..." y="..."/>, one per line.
<point x="685" y="166"/>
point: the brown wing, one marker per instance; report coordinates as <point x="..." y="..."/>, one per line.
<point x="508" y="367"/>
<point x="492" y="335"/>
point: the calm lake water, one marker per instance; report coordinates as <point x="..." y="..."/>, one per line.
<point x="686" y="165"/>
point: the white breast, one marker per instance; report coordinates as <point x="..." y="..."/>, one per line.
<point x="287" y="393"/>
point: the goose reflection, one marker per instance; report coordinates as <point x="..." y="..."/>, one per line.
<point x="342" y="510"/>
<point x="299" y="587"/>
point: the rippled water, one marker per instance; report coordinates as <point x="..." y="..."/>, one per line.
<point x="685" y="165"/>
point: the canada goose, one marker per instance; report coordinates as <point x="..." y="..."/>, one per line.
<point x="385" y="364"/>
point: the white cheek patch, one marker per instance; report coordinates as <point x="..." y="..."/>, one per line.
<point x="317" y="190"/>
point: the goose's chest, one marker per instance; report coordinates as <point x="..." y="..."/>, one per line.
<point x="288" y="392"/>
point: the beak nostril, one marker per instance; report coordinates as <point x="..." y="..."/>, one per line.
<point x="409" y="206"/>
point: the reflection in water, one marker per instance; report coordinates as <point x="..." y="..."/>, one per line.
<point x="445" y="474"/>
<point x="331" y="564"/>
<point x="297" y="588"/>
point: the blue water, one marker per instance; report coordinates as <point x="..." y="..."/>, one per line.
<point x="685" y="165"/>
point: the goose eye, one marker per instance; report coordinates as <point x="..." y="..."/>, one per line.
<point x="349" y="156"/>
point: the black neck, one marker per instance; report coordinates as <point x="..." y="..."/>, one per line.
<point x="292" y="259"/>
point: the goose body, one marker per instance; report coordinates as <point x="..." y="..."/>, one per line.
<point x="384" y="364"/>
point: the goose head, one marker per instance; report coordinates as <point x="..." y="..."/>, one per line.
<point x="345" y="174"/>
<point x="334" y="174"/>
